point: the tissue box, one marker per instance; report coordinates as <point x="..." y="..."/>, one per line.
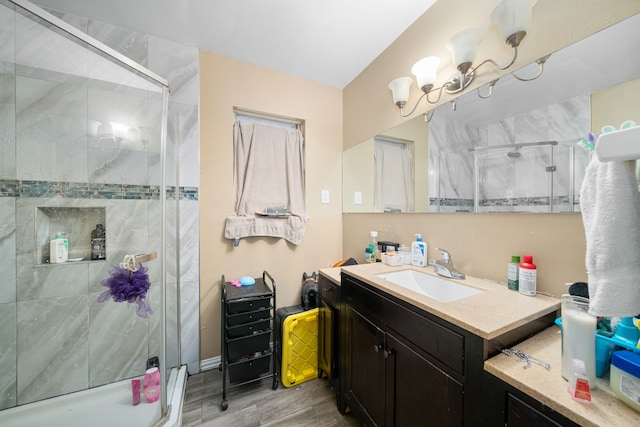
<point x="391" y="258"/>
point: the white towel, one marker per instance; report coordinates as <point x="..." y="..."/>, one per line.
<point x="268" y="172"/>
<point x="610" y="205"/>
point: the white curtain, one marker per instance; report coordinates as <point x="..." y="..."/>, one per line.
<point x="393" y="185"/>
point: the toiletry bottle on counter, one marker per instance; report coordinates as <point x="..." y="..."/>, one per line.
<point x="419" y="252"/>
<point x="374" y="244"/>
<point x="579" y="383"/>
<point x="512" y="272"/>
<point x="527" y="276"/>
<point x="58" y="249"/>
<point x="369" y="255"/>
<point x="98" y="242"/>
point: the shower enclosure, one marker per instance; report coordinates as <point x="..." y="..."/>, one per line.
<point x="528" y="162"/>
<point x="83" y="141"/>
<point x="538" y="177"/>
<point x="533" y="176"/>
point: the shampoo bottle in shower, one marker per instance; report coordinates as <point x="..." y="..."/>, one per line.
<point x="98" y="242"/>
<point x="152" y="385"/>
<point x="58" y="249"/>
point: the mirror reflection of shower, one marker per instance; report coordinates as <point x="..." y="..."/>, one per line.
<point x="509" y="176"/>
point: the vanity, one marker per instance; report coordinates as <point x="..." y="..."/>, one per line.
<point x="406" y="359"/>
<point x="399" y="358"/>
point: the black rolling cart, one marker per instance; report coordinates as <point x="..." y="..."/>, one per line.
<point x="247" y="324"/>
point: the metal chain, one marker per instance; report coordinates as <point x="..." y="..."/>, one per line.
<point x="524" y="357"/>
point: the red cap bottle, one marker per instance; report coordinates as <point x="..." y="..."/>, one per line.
<point x="527" y="276"/>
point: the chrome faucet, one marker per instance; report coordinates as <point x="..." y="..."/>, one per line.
<point x="444" y="266"/>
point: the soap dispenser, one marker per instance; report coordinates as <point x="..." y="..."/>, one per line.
<point x="419" y="252"/>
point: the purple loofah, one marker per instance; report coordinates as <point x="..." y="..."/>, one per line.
<point x="129" y="286"/>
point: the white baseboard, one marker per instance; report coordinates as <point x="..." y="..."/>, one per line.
<point x="208" y="364"/>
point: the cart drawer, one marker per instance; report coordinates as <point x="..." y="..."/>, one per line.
<point x="248" y="328"/>
<point x="247" y="304"/>
<point x="249" y="369"/>
<point x="250" y="316"/>
<point x="249" y="345"/>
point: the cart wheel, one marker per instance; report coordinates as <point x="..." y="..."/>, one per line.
<point x="224" y="404"/>
<point x="274" y="385"/>
<point x="220" y="367"/>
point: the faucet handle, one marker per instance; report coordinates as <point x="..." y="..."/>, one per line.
<point x="444" y="255"/>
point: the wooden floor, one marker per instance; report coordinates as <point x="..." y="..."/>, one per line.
<point x="311" y="403"/>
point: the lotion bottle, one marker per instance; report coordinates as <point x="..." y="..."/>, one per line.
<point x="58" y="249"/>
<point x="512" y="272"/>
<point x="527" y="276"/>
<point x="419" y="252"/>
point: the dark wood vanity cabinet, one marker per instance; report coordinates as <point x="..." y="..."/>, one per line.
<point x="328" y="335"/>
<point x="516" y="409"/>
<point x="402" y="366"/>
<point x="392" y="373"/>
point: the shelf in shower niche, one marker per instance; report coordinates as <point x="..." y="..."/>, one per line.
<point x="76" y="223"/>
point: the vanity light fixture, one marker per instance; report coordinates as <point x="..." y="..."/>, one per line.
<point x="513" y="18"/>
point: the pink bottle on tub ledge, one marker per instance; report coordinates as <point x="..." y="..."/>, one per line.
<point x="152" y="385"/>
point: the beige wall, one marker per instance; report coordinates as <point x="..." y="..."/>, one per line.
<point x="615" y="105"/>
<point x="226" y="83"/>
<point x="480" y="244"/>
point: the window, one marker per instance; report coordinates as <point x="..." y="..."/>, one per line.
<point x="269" y="178"/>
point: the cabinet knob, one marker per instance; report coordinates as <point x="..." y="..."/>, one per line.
<point x="377" y="347"/>
<point x="387" y="353"/>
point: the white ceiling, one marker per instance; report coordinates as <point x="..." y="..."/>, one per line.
<point x="327" y="41"/>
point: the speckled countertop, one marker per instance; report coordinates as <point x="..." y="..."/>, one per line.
<point x="488" y="314"/>
<point x="549" y="388"/>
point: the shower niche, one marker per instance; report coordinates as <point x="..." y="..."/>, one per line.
<point x="76" y="223"/>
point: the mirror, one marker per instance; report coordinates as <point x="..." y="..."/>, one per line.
<point x="513" y="152"/>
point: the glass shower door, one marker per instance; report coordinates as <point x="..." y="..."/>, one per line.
<point x="83" y="143"/>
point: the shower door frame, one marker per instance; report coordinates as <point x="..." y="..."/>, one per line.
<point x="476" y="169"/>
<point x="164" y="84"/>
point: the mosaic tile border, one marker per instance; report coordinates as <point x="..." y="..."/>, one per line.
<point x="516" y="201"/>
<point x="83" y="190"/>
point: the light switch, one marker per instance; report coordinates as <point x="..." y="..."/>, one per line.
<point x="325" y="196"/>
<point x="358" y="198"/>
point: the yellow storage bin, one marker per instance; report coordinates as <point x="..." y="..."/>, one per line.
<point x="299" y="347"/>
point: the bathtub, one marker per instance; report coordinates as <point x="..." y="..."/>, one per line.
<point x="105" y="406"/>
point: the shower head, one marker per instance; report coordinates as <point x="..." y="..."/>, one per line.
<point x="515" y="153"/>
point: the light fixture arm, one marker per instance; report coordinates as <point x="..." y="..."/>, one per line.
<point x="540" y="63"/>
<point x="495" y="64"/>
<point x="414" y="107"/>
<point x="488" y="95"/>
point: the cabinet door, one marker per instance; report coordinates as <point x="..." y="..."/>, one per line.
<point x="521" y="414"/>
<point x="365" y="388"/>
<point x="325" y="337"/>
<point x="420" y="394"/>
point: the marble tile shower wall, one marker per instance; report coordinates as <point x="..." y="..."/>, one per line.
<point x="56" y="338"/>
<point x="509" y="184"/>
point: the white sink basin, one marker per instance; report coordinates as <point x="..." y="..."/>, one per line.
<point x="430" y="286"/>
